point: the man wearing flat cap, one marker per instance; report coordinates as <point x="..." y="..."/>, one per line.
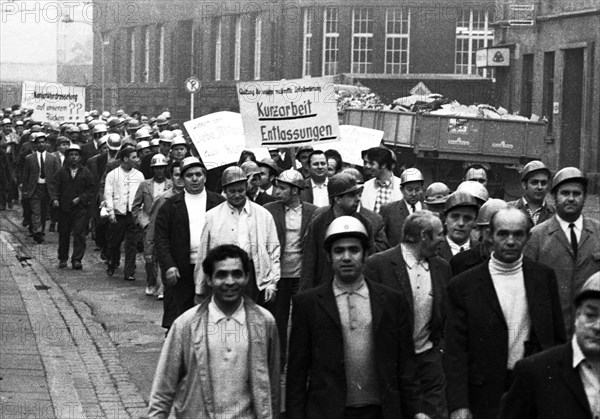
<point x="562" y="382"/>
<point x="569" y="242"/>
<point x="344" y="197"/>
<point x="178" y="228"/>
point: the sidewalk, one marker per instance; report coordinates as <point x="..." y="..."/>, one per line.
<point x="55" y="361"/>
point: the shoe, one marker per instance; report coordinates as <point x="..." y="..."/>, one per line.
<point x="103" y="255"/>
<point x="52" y="227"/>
<point x="62" y="264"/>
<point x="110" y="271"/>
<point x="160" y="297"/>
<point x="39" y="239"/>
<point x="77" y="265"/>
<point x="149" y="291"/>
<point x="25" y="223"/>
<point x="130" y="278"/>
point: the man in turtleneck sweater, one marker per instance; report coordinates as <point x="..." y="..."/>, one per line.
<point x="498" y="313"/>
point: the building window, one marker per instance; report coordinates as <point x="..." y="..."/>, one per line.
<point x="397" y="39"/>
<point x="307" y="41"/>
<point x="161" y="53"/>
<point x="146" y="54"/>
<point x="472" y="33"/>
<point x="548" y="92"/>
<point x="330" y="40"/>
<point x="362" y="40"/>
<point x="218" y="35"/>
<point x="131" y="55"/>
<point x="257" y="46"/>
<point x="237" y="48"/>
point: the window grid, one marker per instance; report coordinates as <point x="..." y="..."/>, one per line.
<point x="330" y="41"/>
<point x="161" y="54"/>
<point x="146" y="58"/>
<point x="237" y="48"/>
<point x="131" y="56"/>
<point x="362" y="40"/>
<point x="472" y="33"/>
<point x="307" y="44"/>
<point x="218" y="34"/>
<point x="257" y="46"/>
<point x="397" y="40"/>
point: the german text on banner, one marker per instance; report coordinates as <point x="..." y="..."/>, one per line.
<point x="288" y="113"/>
<point x="54" y="101"/>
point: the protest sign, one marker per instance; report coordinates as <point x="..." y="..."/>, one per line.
<point x="219" y="138"/>
<point x="288" y="113"/>
<point x="54" y="101"/>
<point x="353" y="140"/>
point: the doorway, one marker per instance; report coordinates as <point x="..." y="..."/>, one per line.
<point x="572" y="98"/>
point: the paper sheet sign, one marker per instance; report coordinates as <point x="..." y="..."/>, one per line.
<point x="54" y="101"/>
<point x="288" y="113"/>
<point x="219" y="138"/>
<point x="353" y="140"/>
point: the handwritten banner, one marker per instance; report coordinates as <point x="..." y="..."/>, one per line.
<point x="219" y="138"/>
<point x="54" y="101"/>
<point x="288" y="113"/>
<point x="353" y="140"/>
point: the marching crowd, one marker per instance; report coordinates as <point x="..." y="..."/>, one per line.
<point x="308" y="292"/>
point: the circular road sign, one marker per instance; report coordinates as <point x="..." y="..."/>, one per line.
<point x="193" y="84"/>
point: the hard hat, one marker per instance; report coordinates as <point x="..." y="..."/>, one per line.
<point x="166" y="114"/>
<point x="105" y="115"/>
<point x="73" y="147"/>
<point x="436" y="193"/>
<point x="411" y="174"/>
<point x="102" y="140"/>
<point x="83" y="127"/>
<point x="63" y="139"/>
<point x="178" y="133"/>
<point x="476" y="189"/>
<point x="113" y="122"/>
<point x="345" y="226"/>
<point x="189" y="162"/>
<point x="113" y="141"/>
<point x="158" y="160"/>
<point x="74" y="128"/>
<point x="488" y="209"/>
<point x="154" y="142"/>
<point x="291" y="177"/>
<point x="342" y="183"/>
<point x="590" y="289"/>
<point x="473" y="171"/>
<point x="460" y="199"/>
<point x="142" y="133"/>
<point x="93" y="122"/>
<point x="37" y="135"/>
<point x="19" y="123"/>
<point x="179" y="141"/>
<point x="134" y="124"/>
<point x="568" y="174"/>
<point x="166" y="136"/>
<point x="6" y="121"/>
<point x="161" y="121"/>
<point x="99" y="128"/>
<point x="270" y="163"/>
<point x="94" y="113"/>
<point x="232" y="174"/>
<point x="142" y="145"/>
<point x="120" y="112"/>
<point x="533" y="167"/>
<point x="304" y="149"/>
<point x="250" y="168"/>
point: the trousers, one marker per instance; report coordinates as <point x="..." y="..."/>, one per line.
<point x="40" y="201"/>
<point x="73" y="222"/>
<point x="125" y="230"/>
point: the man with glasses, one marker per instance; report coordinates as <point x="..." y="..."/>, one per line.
<point x="535" y="181"/>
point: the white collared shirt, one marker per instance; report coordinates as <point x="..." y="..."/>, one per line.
<point x="457" y="248"/>
<point x="589" y="378"/>
<point x="268" y="191"/>
<point x="39" y="158"/>
<point x="422" y="295"/>
<point x="320" y="194"/>
<point x="228" y="351"/>
<point x="564" y="225"/>
<point x="196" y="208"/>
<point x="418" y="207"/>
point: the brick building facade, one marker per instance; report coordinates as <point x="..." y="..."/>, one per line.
<point x="150" y="47"/>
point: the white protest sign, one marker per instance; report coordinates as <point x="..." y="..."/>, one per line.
<point x="353" y="140"/>
<point x="219" y="138"/>
<point x="54" y="101"/>
<point x="288" y="113"/>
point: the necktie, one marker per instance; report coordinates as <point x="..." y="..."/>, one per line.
<point x="462" y="249"/>
<point x="42" y="167"/>
<point x="413" y="208"/>
<point x="573" y="239"/>
<point x="127" y="197"/>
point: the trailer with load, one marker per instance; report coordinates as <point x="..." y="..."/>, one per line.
<point x="443" y="146"/>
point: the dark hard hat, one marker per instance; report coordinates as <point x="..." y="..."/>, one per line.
<point x="590" y="289"/>
<point x="342" y="183"/>
<point x="534" y="167"/>
<point x="460" y="199"/>
<point x="568" y="174"/>
<point x="436" y="193"/>
<point x="270" y="163"/>
<point x="232" y="174"/>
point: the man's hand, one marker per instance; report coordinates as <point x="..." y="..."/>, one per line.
<point x="270" y="294"/>
<point x="55" y="203"/>
<point x="463" y="413"/>
<point x="172" y="276"/>
<point x="112" y="218"/>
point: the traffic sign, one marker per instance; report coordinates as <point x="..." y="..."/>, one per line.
<point x="193" y="84"/>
